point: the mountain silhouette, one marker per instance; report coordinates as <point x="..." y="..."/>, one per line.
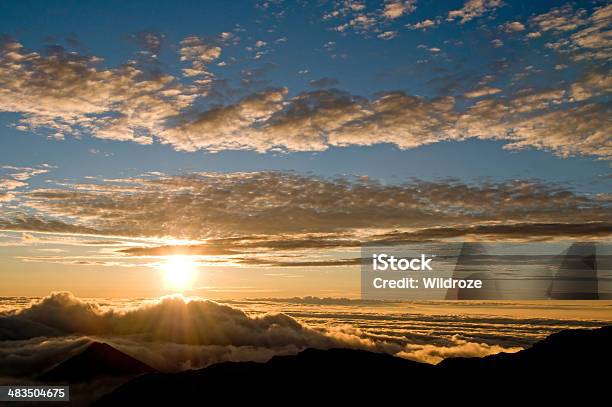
<point x="566" y="363"/>
<point x="98" y="360"/>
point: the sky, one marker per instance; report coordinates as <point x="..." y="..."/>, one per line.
<point x="265" y="140"/>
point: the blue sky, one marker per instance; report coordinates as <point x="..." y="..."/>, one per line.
<point x="296" y="38"/>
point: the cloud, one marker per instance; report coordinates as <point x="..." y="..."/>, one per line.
<point x="480" y="92"/>
<point x="229" y="127"/>
<point x="177" y="334"/>
<point x="592" y="36"/>
<point x="422" y="25"/>
<point x="497" y="43"/>
<point x="514" y="26"/>
<point x="68" y="94"/>
<point x="315" y="121"/>
<point x="472" y="9"/>
<point x="324" y="82"/>
<point x="395" y="9"/>
<point x="152" y="42"/>
<point x="203" y="331"/>
<point x="321" y="250"/>
<point x="23" y="222"/>
<point x="200" y="53"/>
<point x="460" y="348"/>
<point x="592" y="84"/>
<point x="559" y="19"/>
<point x="397" y="118"/>
<point x="594" y="42"/>
<point x="569" y="132"/>
<point x="6" y="197"/>
<point x="536" y="119"/>
<point x="387" y="35"/>
<point x="289" y="206"/>
<point x="16" y="179"/>
<point x="25" y="173"/>
<point x="10" y="184"/>
<point x="176" y="320"/>
<point x="32" y="356"/>
<point x="356" y="17"/>
<point x="518" y="232"/>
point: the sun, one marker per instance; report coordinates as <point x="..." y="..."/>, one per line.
<point x="179" y="272"/>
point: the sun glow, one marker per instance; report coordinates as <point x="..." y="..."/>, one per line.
<point x="179" y="272"/>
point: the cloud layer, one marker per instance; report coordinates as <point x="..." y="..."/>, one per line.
<point x="285" y="219"/>
<point x="222" y="205"/>
<point x="176" y="334"/>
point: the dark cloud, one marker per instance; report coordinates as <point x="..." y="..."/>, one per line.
<point x="266" y="251"/>
<point x="519" y="231"/>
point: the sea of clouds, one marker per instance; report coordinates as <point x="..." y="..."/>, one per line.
<point x="175" y="333"/>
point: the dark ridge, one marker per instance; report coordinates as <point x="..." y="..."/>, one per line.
<point x="96" y="361"/>
<point x="568" y="363"/>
